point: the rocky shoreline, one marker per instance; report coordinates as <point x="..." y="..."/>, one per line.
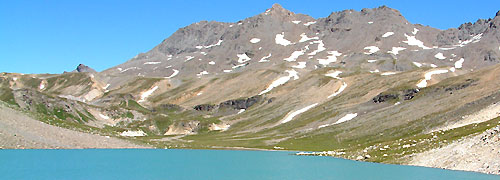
<point x="478" y="153"/>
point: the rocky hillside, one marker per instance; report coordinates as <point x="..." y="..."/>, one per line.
<point x="364" y="85"/>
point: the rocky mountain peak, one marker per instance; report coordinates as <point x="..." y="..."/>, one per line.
<point x="277" y="9"/>
<point x="498" y="14"/>
<point x="84" y="68"/>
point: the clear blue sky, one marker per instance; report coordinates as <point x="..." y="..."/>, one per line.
<point x="51" y="36"/>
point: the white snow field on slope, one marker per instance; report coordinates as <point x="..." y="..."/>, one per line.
<point x="147" y="93"/>
<point x="415" y="31"/>
<point x="210" y="46"/>
<point x="342" y="88"/>
<point x="243" y="58"/>
<point x="388" y="73"/>
<point x="459" y="63"/>
<point x="412" y="41"/>
<point x="474" y="39"/>
<point x="290" y="116"/>
<point x="280" y="40"/>
<point x="417" y="64"/>
<point x="304" y="38"/>
<point x="295" y="55"/>
<point x="173" y="74"/>
<point x="103" y="116"/>
<point x="329" y="59"/>
<point x="254" y="40"/>
<point x="202" y="73"/>
<point x="347" y="117"/>
<point x="387" y="34"/>
<point x="282" y="80"/>
<point x="428" y="76"/>
<point x="440" y="56"/>
<point x="371" y="49"/>
<point x="309" y="23"/>
<point x="321" y="47"/>
<point x="265" y="58"/>
<point x="395" y="50"/>
<point x="130" y="133"/>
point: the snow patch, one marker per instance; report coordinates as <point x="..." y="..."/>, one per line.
<point x="330" y="59"/>
<point x="388" y="73"/>
<point x="254" y="40"/>
<point x="372" y="61"/>
<point x="201" y="74"/>
<point x="103" y="116"/>
<point x="347" y="117"/>
<point x="124" y="70"/>
<point x="459" y="63"/>
<point x="290" y="116"/>
<point x="412" y="41"/>
<point x="433" y="66"/>
<point x="415" y="31"/>
<point x="321" y="47"/>
<point x="173" y="74"/>
<point x="241" y="111"/>
<point x="239" y="65"/>
<point x="282" y="80"/>
<point x="133" y="133"/>
<point x="395" y="50"/>
<point x="304" y="38"/>
<point x="342" y="88"/>
<point x="265" y="58"/>
<point x="243" y="58"/>
<point x="474" y="39"/>
<point x="371" y="49"/>
<point x="210" y="46"/>
<point x="211" y="62"/>
<point x="439" y="56"/>
<point x="296" y="22"/>
<point x="152" y="62"/>
<point x="371" y="22"/>
<point x="375" y="71"/>
<point x="417" y="64"/>
<point x="295" y="55"/>
<point x="387" y="34"/>
<point x="188" y="58"/>
<point x="309" y="23"/>
<point x="280" y="40"/>
<point x="428" y="76"/>
<point x="147" y="93"/>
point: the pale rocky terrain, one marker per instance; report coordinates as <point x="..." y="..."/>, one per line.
<point x="18" y="131"/>
<point x="479" y="153"/>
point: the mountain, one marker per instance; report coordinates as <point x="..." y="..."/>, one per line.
<point x="365" y="85"/>
<point x="83" y="68"/>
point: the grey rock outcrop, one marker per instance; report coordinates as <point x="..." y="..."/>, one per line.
<point x="84" y="68"/>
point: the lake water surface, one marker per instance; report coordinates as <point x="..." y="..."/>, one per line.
<point x="202" y="164"/>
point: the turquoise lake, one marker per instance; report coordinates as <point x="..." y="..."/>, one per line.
<point x="202" y="164"/>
